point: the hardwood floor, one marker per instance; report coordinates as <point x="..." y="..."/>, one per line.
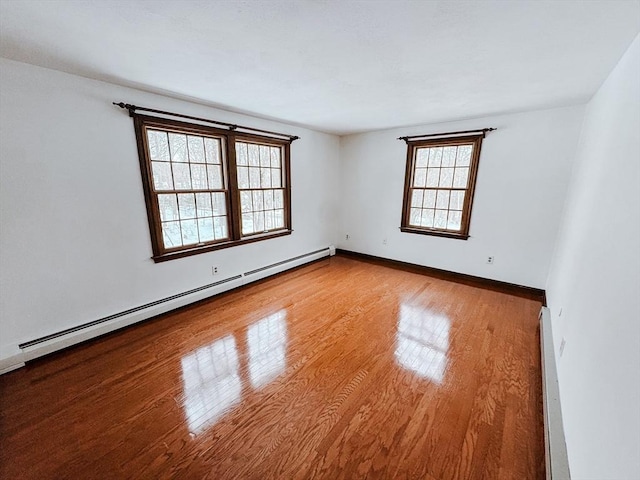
<point x="342" y="369"/>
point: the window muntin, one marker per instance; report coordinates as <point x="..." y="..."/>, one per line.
<point x="202" y="182"/>
<point x="439" y="185"/>
<point x="261" y="186"/>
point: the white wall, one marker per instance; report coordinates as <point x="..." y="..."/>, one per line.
<point x="595" y="280"/>
<point x="74" y="239"/>
<point x="523" y="175"/>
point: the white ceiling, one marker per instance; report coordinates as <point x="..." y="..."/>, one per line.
<point x="337" y="66"/>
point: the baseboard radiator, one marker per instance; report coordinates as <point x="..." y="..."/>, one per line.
<point x="56" y="341"/>
<point x="556" y="460"/>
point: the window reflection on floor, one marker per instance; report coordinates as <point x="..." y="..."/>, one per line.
<point x="422" y="341"/>
<point x="211" y="374"/>
<point x="267" y="340"/>
<point x="211" y="382"/>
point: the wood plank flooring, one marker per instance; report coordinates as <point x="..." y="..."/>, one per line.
<point x="341" y="369"/>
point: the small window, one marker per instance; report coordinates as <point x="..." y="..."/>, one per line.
<point x="208" y="188"/>
<point x="439" y="185"/>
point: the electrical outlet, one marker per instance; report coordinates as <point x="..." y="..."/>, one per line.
<point x="490" y="260"/>
<point x="346" y="237"/>
<point x="562" y="344"/>
<point x="214" y="270"/>
<point x="384" y="241"/>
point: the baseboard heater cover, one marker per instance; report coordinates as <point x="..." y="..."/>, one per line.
<point x="556" y="460"/>
<point x="289" y="260"/>
<point x="86" y="331"/>
<point x="124" y="313"/>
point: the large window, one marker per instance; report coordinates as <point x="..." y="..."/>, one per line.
<point x="439" y="185"/>
<point x="208" y="188"/>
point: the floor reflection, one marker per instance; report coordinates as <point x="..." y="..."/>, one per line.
<point x="267" y="340"/>
<point x="211" y="375"/>
<point x="423" y="341"/>
<point x="211" y="382"/>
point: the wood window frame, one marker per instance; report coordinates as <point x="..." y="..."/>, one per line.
<point x="412" y="147"/>
<point x="229" y="137"/>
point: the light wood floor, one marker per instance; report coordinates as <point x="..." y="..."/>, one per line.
<point x="342" y="369"/>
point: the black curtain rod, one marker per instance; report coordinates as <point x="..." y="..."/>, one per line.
<point x="477" y="130"/>
<point x="231" y="126"/>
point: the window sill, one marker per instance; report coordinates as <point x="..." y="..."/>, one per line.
<point x="218" y="246"/>
<point x="435" y="233"/>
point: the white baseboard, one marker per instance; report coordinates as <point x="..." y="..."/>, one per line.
<point x="556" y="460"/>
<point x="13" y="358"/>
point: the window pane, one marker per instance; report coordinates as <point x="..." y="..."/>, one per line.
<point x="247" y="223"/>
<point x="187" y="204"/>
<point x="220" y="227"/>
<point x="258" y="200"/>
<point x="199" y="176"/>
<point x="433" y="176"/>
<point x="258" y="221"/>
<point x="168" y="207"/>
<point x="254" y="177"/>
<point x="265" y="156"/>
<point x="254" y="155"/>
<point x="278" y="201"/>
<point x="426" y="219"/>
<point x="171" y="236"/>
<point x="158" y="145"/>
<point x="435" y="156"/>
<point x="215" y="177"/>
<point x="162" y="179"/>
<point x="265" y="177"/>
<point x="414" y="217"/>
<point x="268" y="199"/>
<point x="464" y="155"/>
<point x="455" y="220"/>
<point x="416" y="198"/>
<point x="276" y="177"/>
<point x="457" y="200"/>
<point x="178" y="146"/>
<point x="242" y="157"/>
<point x="219" y="203"/>
<point x="205" y="229"/>
<point x="212" y="150"/>
<point x="448" y="156"/>
<point x="419" y="177"/>
<point x="442" y="199"/>
<point x="278" y="219"/>
<point x="440" y="220"/>
<point x="268" y="220"/>
<point x="275" y="157"/>
<point x="429" y="199"/>
<point x="203" y="204"/>
<point x="422" y="157"/>
<point x="243" y="177"/>
<point x="196" y="149"/>
<point x="182" y="176"/>
<point x="446" y="177"/>
<point x="461" y="177"/>
<point x="189" y="232"/>
<point x="245" y="202"/>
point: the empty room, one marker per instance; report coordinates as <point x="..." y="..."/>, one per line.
<point x="320" y="239"/>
